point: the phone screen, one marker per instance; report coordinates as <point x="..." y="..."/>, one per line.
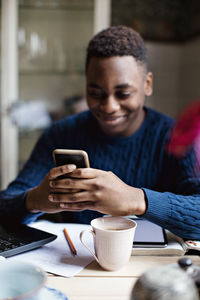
<point x="66" y="159"/>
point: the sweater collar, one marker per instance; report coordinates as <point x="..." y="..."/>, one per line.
<point x="97" y="133"/>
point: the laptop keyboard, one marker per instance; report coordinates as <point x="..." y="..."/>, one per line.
<point x="8" y="243"/>
<point x="22" y="238"/>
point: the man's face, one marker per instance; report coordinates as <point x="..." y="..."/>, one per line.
<point x="116" y="88"/>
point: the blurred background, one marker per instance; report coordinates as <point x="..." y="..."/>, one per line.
<point x="43" y="46"/>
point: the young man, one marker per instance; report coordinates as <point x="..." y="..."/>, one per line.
<point x="131" y="171"/>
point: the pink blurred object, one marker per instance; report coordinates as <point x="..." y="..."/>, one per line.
<point x="186" y="131"/>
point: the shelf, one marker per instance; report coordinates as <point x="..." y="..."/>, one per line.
<point x="25" y="7"/>
<point x="51" y="73"/>
<point x="57" y="4"/>
<point x="30" y="133"/>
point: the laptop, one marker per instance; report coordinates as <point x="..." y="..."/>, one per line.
<point x="23" y="238"/>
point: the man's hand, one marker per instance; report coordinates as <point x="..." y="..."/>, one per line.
<point x="96" y="190"/>
<point x="37" y="198"/>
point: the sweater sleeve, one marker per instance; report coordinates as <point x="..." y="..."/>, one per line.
<point x="12" y="200"/>
<point x="178" y="213"/>
<point x="176" y="205"/>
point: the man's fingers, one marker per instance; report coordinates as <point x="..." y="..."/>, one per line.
<point x="71" y="197"/>
<point x="79" y="206"/>
<point x="87" y="173"/>
<point x="71" y="184"/>
<point x="61" y="170"/>
<point x="64" y="191"/>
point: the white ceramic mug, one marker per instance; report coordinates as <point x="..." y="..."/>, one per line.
<point x="113" y="241"/>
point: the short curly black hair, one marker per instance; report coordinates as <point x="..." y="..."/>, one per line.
<point x="117" y="41"/>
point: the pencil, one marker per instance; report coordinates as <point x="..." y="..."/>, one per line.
<point x="69" y="241"/>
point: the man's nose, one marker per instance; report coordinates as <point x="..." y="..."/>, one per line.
<point x="110" y="105"/>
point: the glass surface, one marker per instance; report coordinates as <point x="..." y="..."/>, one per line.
<point x="52" y="39"/>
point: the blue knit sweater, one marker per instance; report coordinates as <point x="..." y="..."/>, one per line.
<point x="171" y="186"/>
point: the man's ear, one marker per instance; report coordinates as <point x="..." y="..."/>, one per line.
<point x="148" y="85"/>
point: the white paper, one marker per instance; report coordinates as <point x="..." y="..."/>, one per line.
<point x="56" y="257"/>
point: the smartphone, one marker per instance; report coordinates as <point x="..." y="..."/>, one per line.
<point x="149" y="235"/>
<point x="65" y="157"/>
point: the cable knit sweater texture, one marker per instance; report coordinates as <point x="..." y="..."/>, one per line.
<point x="171" y="186"/>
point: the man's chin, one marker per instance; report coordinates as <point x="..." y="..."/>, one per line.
<point x="114" y="131"/>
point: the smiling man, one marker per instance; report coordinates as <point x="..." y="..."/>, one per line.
<point x="131" y="172"/>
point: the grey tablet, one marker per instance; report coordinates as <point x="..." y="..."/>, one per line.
<point x="149" y="235"/>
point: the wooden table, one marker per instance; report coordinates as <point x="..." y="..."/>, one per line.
<point x="93" y="283"/>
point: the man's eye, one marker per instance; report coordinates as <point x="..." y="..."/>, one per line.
<point x="96" y="95"/>
<point x="122" y="95"/>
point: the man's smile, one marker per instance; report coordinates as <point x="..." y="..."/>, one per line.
<point x="111" y="120"/>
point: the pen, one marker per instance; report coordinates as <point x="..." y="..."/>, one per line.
<point x="71" y="245"/>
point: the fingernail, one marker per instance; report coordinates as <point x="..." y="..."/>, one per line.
<point x="51" y="183"/>
<point x="71" y="167"/>
<point x="50" y="197"/>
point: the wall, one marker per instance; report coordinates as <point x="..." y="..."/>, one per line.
<point x="164" y="62"/>
<point x="176" y="80"/>
<point x="189" y="72"/>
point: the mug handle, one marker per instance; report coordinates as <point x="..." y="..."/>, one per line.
<point x="84" y="244"/>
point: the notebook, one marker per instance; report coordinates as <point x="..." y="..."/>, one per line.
<point x="19" y="239"/>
